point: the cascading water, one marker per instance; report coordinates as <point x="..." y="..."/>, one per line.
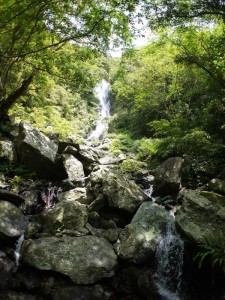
<point x="102" y="93"/>
<point x="169" y="255"/>
<point x="18" y="247"/>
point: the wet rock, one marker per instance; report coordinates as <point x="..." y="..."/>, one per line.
<point x="13" y="222"/>
<point x="202" y="213"/>
<point x="85" y="259"/>
<point x="137" y="242"/>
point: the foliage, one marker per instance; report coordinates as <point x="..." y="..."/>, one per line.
<point x="213" y="248"/>
<point x="181" y="12"/>
<point x="146" y="148"/>
<point x="131" y="166"/>
<point x="121" y="142"/>
<point x="32" y="32"/>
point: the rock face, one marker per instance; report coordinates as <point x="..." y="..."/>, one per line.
<point x="202" y="213"/>
<point x="77" y="194"/>
<point x="139" y="239"/>
<point x="13" y="222"/>
<point x="119" y="192"/>
<point x="7" y="149"/>
<point x="39" y="153"/>
<point x="73" y="167"/>
<point x="65" y="215"/>
<point x="84" y="259"/>
<point x="168" y="176"/>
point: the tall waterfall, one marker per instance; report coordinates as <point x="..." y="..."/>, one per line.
<point x="102" y="93"/>
<point x="169" y="257"/>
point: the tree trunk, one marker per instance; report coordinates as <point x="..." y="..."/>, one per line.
<point x="8" y="102"/>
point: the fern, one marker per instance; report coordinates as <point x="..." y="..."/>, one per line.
<point x="213" y="248"/>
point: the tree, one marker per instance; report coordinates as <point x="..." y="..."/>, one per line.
<point x="164" y="12"/>
<point x="31" y="31"/>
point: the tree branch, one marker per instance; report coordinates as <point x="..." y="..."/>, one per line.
<point x="8" y="102"/>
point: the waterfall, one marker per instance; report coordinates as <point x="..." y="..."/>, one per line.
<point x="102" y="93"/>
<point x="169" y="256"/>
<point x="18" y="247"/>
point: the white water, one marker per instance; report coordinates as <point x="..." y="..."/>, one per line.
<point x="102" y="93"/>
<point x="18" y="247"/>
<point x="169" y="255"/>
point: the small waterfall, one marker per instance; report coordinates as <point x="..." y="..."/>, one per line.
<point x="169" y="255"/>
<point x="18" y="247"/>
<point x="102" y="93"/>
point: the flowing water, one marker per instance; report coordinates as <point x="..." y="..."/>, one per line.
<point x="18" y="247"/>
<point x="102" y="93"/>
<point x="169" y="255"/>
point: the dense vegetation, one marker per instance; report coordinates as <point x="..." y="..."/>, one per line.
<point x="171" y="93"/>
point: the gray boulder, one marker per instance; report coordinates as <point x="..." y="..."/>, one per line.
<point x="90" y="154"/>
<point x="78" y="194"/>
<point x="110" y="234"/>
<point x="168" y="176"/>
<point x="73" y="167"/>
<point x="119" y="191"/>
<point x="13" y="222"/>
<point x="110" y="159"/>
<point x="7" y="149"/>
<point x="85" y="259"/>
<point x="138" y="241"/>
<point x="67" y="214"/>
<point x="202" y="213"/>
<point x="39" y="153"/>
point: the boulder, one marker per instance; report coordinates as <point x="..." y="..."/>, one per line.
<point x="38" y="153"/>
<point x="138" y="241"/>
<point x="7" y="149"/>
<point x="167" y="177"/>
<point x="84" y="259"/>
<point x="11" y="197"/>
<point x="67" y="214"/>
<point x="110" y="234"/>
<point x="6" y="269"/>
<point x="119" y="191"/>
<point x="73" y="167"/>
<point x="90" y="154"/>
<point x="202" y="213"/>
<point x="94" y="292"/>
<point x="13" y="222"/>
<point x="109" y="159"/>
<point x="78" y="194"/>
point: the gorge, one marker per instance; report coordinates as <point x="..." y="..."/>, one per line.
<point x="107" y="236"/>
